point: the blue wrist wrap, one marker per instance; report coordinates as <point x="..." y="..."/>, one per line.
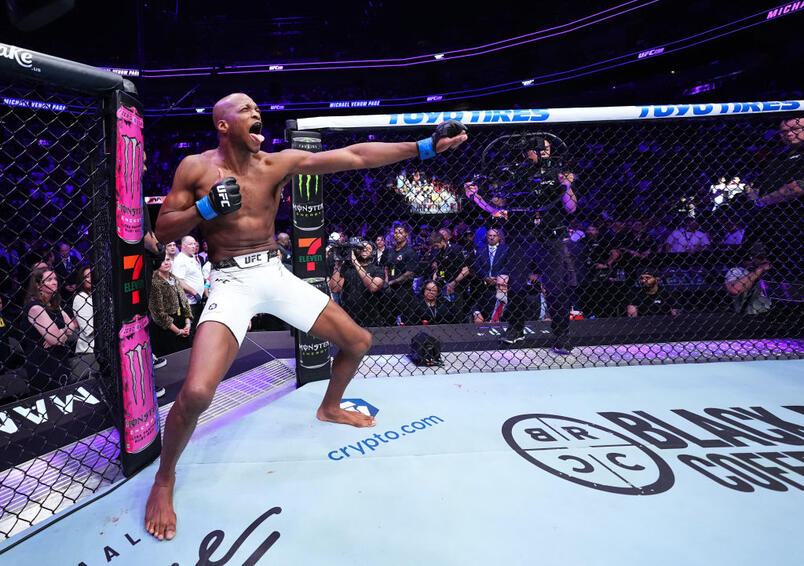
<point x="205" y="208"/>
<point x="426" y="149"/>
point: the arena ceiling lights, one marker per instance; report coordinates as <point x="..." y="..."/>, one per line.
<point x="530" y="82"/>
<point x="575" y="25"/>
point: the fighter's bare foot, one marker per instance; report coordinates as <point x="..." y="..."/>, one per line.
<point x="342" y="416"/>
<point x="160" y="519"/>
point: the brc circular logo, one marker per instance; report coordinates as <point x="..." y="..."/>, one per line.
<point x="588" y="454"/>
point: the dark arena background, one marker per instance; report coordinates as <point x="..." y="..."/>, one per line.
<point x="600" y="293"/>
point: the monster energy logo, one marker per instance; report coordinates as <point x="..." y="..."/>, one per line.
<point x="304" y="186"/>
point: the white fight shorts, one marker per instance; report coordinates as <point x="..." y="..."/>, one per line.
<point x="260" y="285"/>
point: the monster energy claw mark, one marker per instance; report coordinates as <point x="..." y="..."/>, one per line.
<point x="308" y="203"/>
<point x="304" y="185"/>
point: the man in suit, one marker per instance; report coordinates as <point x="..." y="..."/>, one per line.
<point x="491" y="261"/>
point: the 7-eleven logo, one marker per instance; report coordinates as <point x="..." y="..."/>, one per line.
<point x="133" y="263"/>
<point x="312" y="255"/>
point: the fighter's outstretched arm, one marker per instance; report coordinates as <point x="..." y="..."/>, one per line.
<point x="364" y="155"/>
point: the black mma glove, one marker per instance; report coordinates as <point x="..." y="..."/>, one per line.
<point x="223" y="198"/>
<point x="448" y="129"/>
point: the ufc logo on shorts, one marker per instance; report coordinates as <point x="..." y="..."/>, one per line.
<point x="223" y="195"/>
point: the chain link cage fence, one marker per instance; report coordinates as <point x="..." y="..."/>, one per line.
<point x="57" y="440"/>
<point x="554" y="245"/>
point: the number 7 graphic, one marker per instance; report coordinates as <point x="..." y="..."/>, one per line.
<point x="133" y="262"/>
<point x="312" y="245"/>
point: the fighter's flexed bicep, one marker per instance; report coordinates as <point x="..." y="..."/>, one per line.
<point x="181" y="211"/>
<point x="177" y="215"/>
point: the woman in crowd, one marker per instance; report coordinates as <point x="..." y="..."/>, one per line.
<point x="170" y="312"/>
<point x="431" y="307"/>
<point x="49" y="333"/>
<point x="84" y="360"/>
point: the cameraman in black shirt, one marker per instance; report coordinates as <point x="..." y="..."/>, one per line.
<point x="779" y="212"/>
<point x="448" y="264"/>
<point x="360" y="282"/>
<point x="538" y="211"/>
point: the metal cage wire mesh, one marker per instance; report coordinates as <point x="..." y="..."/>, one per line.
<point x="682" y="247"/>
<point x="55" y="266"/>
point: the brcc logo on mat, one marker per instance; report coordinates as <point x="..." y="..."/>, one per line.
<point x="588" y="454"/>
<point x="359" y="406"/>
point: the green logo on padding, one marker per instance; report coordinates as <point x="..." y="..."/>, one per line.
<point x="304" y="186"/>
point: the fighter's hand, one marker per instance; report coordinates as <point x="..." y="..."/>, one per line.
<point x="471" y="190"/>
<point x="566" y="178"/>
<point x="447" y="135"/>
<point x="223" y="198"/>
<point x="500" y="214"/>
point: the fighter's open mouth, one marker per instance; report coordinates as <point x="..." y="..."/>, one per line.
<point x="254" y="132"/>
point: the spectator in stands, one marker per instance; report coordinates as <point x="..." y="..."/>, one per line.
<point x="493" y="308"/>
<point x="791" y="131"/>
<point x="203" y="254"/>
<point x="48" y="334"/>
<point x="635" y="247"/>
<point x="449" y="266"/>
<point x="285" y="249"/>
<point x="430" y="307"/>
<point x="650" y="298"/>
<point x="422" y="239"/>
<point x="188" y="271"/>
<point x="171" y="249"/>
<point x="379" y="245"/>
<point x="67" y="259"/>
<point x="65" y="263"/>
<point x="13" y="384"/>
<point x="360" y="282"/>
<point x="733" y="234"/>
<point x="687" y="239"/>
<point x="492" y="259"/>
<point x="401" y="263"/>
<point x="84" y="362"/>
<point x="743" y="282"/>
<point x="597" y="257"/>
<point x="170" y="312"/>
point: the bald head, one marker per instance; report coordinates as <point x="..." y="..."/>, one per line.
<point x="189" y="246"/>
<point x="227" y="109"/>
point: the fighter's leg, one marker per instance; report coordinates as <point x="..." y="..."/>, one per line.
<point x="214" y="350"/>
<point x="353" y="342"/>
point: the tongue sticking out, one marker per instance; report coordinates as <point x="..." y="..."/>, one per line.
<point x="259" y="138"/>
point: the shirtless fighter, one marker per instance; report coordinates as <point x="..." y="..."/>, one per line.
<point x="236" y="216"/>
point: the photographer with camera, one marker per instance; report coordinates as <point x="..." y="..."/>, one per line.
<point x="359" y="280"/>
<point x="538" y="208"/>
